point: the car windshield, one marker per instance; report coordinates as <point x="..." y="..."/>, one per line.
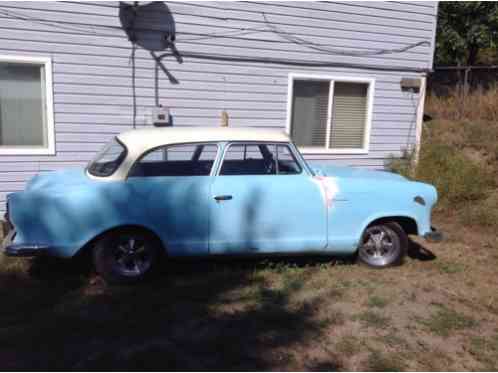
<point x="108" y="159"/>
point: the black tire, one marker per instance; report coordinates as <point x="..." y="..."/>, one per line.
<point x="126" y="256"/>
<point x="383" y="245"/>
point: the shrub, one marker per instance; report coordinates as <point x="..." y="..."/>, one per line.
<point x="483" y="213"/>
<point x="480" y="105"/>
<point x="456" y="177"/>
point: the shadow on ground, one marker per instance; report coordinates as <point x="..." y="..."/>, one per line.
<point x="211" y="314"/>
<point x="196" y="315"/>
<point x="419" y="252"/>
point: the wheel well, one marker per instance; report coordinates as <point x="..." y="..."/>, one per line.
<point x="409" y="225"/>
<point x="87" y="247"/>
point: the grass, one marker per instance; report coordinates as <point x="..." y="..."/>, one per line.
<point x="372" y="319"/>
<point x="450" y="267"/>
<point x="349" y="345"/>
<point x="382" y="362"/>
<point x="445" y="321"/>
<point x="284" y="314"/>
<point x="459" y="155"/>
<point x="485" y="350"/>
<point x="377" y="301"/>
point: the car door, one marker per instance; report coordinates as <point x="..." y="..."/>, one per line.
<point x="264" y="201"/>
<point x="170" y="191"/>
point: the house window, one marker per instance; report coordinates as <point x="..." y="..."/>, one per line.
<point x="26" y="117"/>
<point x="329" y="114"/>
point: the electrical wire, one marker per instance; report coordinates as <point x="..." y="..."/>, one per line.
<point x="291" y="62"/>
<point x="238" y="32"/>
<point x="309" y="44"/>
<point x="290" y="37"/>
<point x="55" y="24"/>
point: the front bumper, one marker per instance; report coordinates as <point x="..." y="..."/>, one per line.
<point x="24" y="250"/>
<point x="434" y="235"/>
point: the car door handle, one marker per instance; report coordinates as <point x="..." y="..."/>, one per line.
<point x="223" y="198"/>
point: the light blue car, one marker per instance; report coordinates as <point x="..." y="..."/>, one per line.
<point x="213" y="191"/>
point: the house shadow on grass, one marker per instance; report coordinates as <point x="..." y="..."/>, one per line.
<point x="195" y="315"/>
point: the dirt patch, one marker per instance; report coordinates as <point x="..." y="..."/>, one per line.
<point x="438" y="311"/>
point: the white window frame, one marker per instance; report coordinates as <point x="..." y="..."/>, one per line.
<point x="49" y="148"/>
<point x="332" y="79"/>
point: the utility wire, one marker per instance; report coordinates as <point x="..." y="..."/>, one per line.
<point x="55" y="24"/>
<point x="309" y="44"/>
<point x="269" y="27"/>
<point x="275" y="29"/>
<point x="291" y="62"/>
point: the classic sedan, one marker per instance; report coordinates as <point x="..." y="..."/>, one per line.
<point x="159" y="192"/>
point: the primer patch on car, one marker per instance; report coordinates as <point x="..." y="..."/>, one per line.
<point x="328" y="187"/>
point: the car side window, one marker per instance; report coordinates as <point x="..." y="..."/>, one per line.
<point x="287" y="163"/>
<point x="249" y="159"/>
<point x="176" y="160"/>
<point x="259" y="159"/>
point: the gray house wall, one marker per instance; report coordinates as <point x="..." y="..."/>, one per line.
<point x="92" y="70"/>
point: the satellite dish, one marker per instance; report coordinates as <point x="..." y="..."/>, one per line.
<point x="149" y="25"/>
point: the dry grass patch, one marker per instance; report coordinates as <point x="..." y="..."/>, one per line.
<point x="385" y="362"/>
<point x="446" y="321"/>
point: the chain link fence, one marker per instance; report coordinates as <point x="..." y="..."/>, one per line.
<point x="464" y="79"/>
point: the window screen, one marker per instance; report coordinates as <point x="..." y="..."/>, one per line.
<point x="22" y="105"/>
<point x="176" y="160"/>
<point x="310" y="109"/>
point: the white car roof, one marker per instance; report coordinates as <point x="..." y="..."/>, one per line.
<point x="140" y="140"/>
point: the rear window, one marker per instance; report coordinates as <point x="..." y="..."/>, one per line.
<point x="108" y="159"/>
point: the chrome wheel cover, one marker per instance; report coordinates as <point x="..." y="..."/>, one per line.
<point x="131" y="256"/>
<point x="380" y="246"/>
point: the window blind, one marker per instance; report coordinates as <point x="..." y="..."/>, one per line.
<point x="349" y="114"/>
<point x="22" y="105"/>
<point x="309" y="113"/>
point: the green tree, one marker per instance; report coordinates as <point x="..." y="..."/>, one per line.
<point x="464" y="30"/>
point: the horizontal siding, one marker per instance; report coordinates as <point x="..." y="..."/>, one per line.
<point x="92" y="71"/>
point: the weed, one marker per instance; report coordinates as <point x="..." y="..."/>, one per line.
<point x="372" y="319"/>
<point x="450" y="267"/>
<point x="332" y="318"/>
<point x="457" y="178"/>
<point x="379" y="362"/>
<point x="445" y="321"/>
<point x="377" y="301"/>
<point x="402" y="165"/>
<point x="394" y="341"/>
<point x="485" y="350"/>
<point x="349" y="345"/>
<point x="480" y="213"/>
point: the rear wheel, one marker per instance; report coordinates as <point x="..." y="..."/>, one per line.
<point x="383" y="245"/>
<point x="126" y="256"/>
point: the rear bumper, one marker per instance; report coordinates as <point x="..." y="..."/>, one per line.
<point x="24" y="250"/>
<point x="434" y="235"/>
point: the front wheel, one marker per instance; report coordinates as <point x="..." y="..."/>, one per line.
<point x="383" y="245"/>
<point x="126" y="256"/>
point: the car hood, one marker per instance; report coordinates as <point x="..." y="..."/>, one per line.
<point x="357" y="173"/>
<point x="59" y="179"/>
